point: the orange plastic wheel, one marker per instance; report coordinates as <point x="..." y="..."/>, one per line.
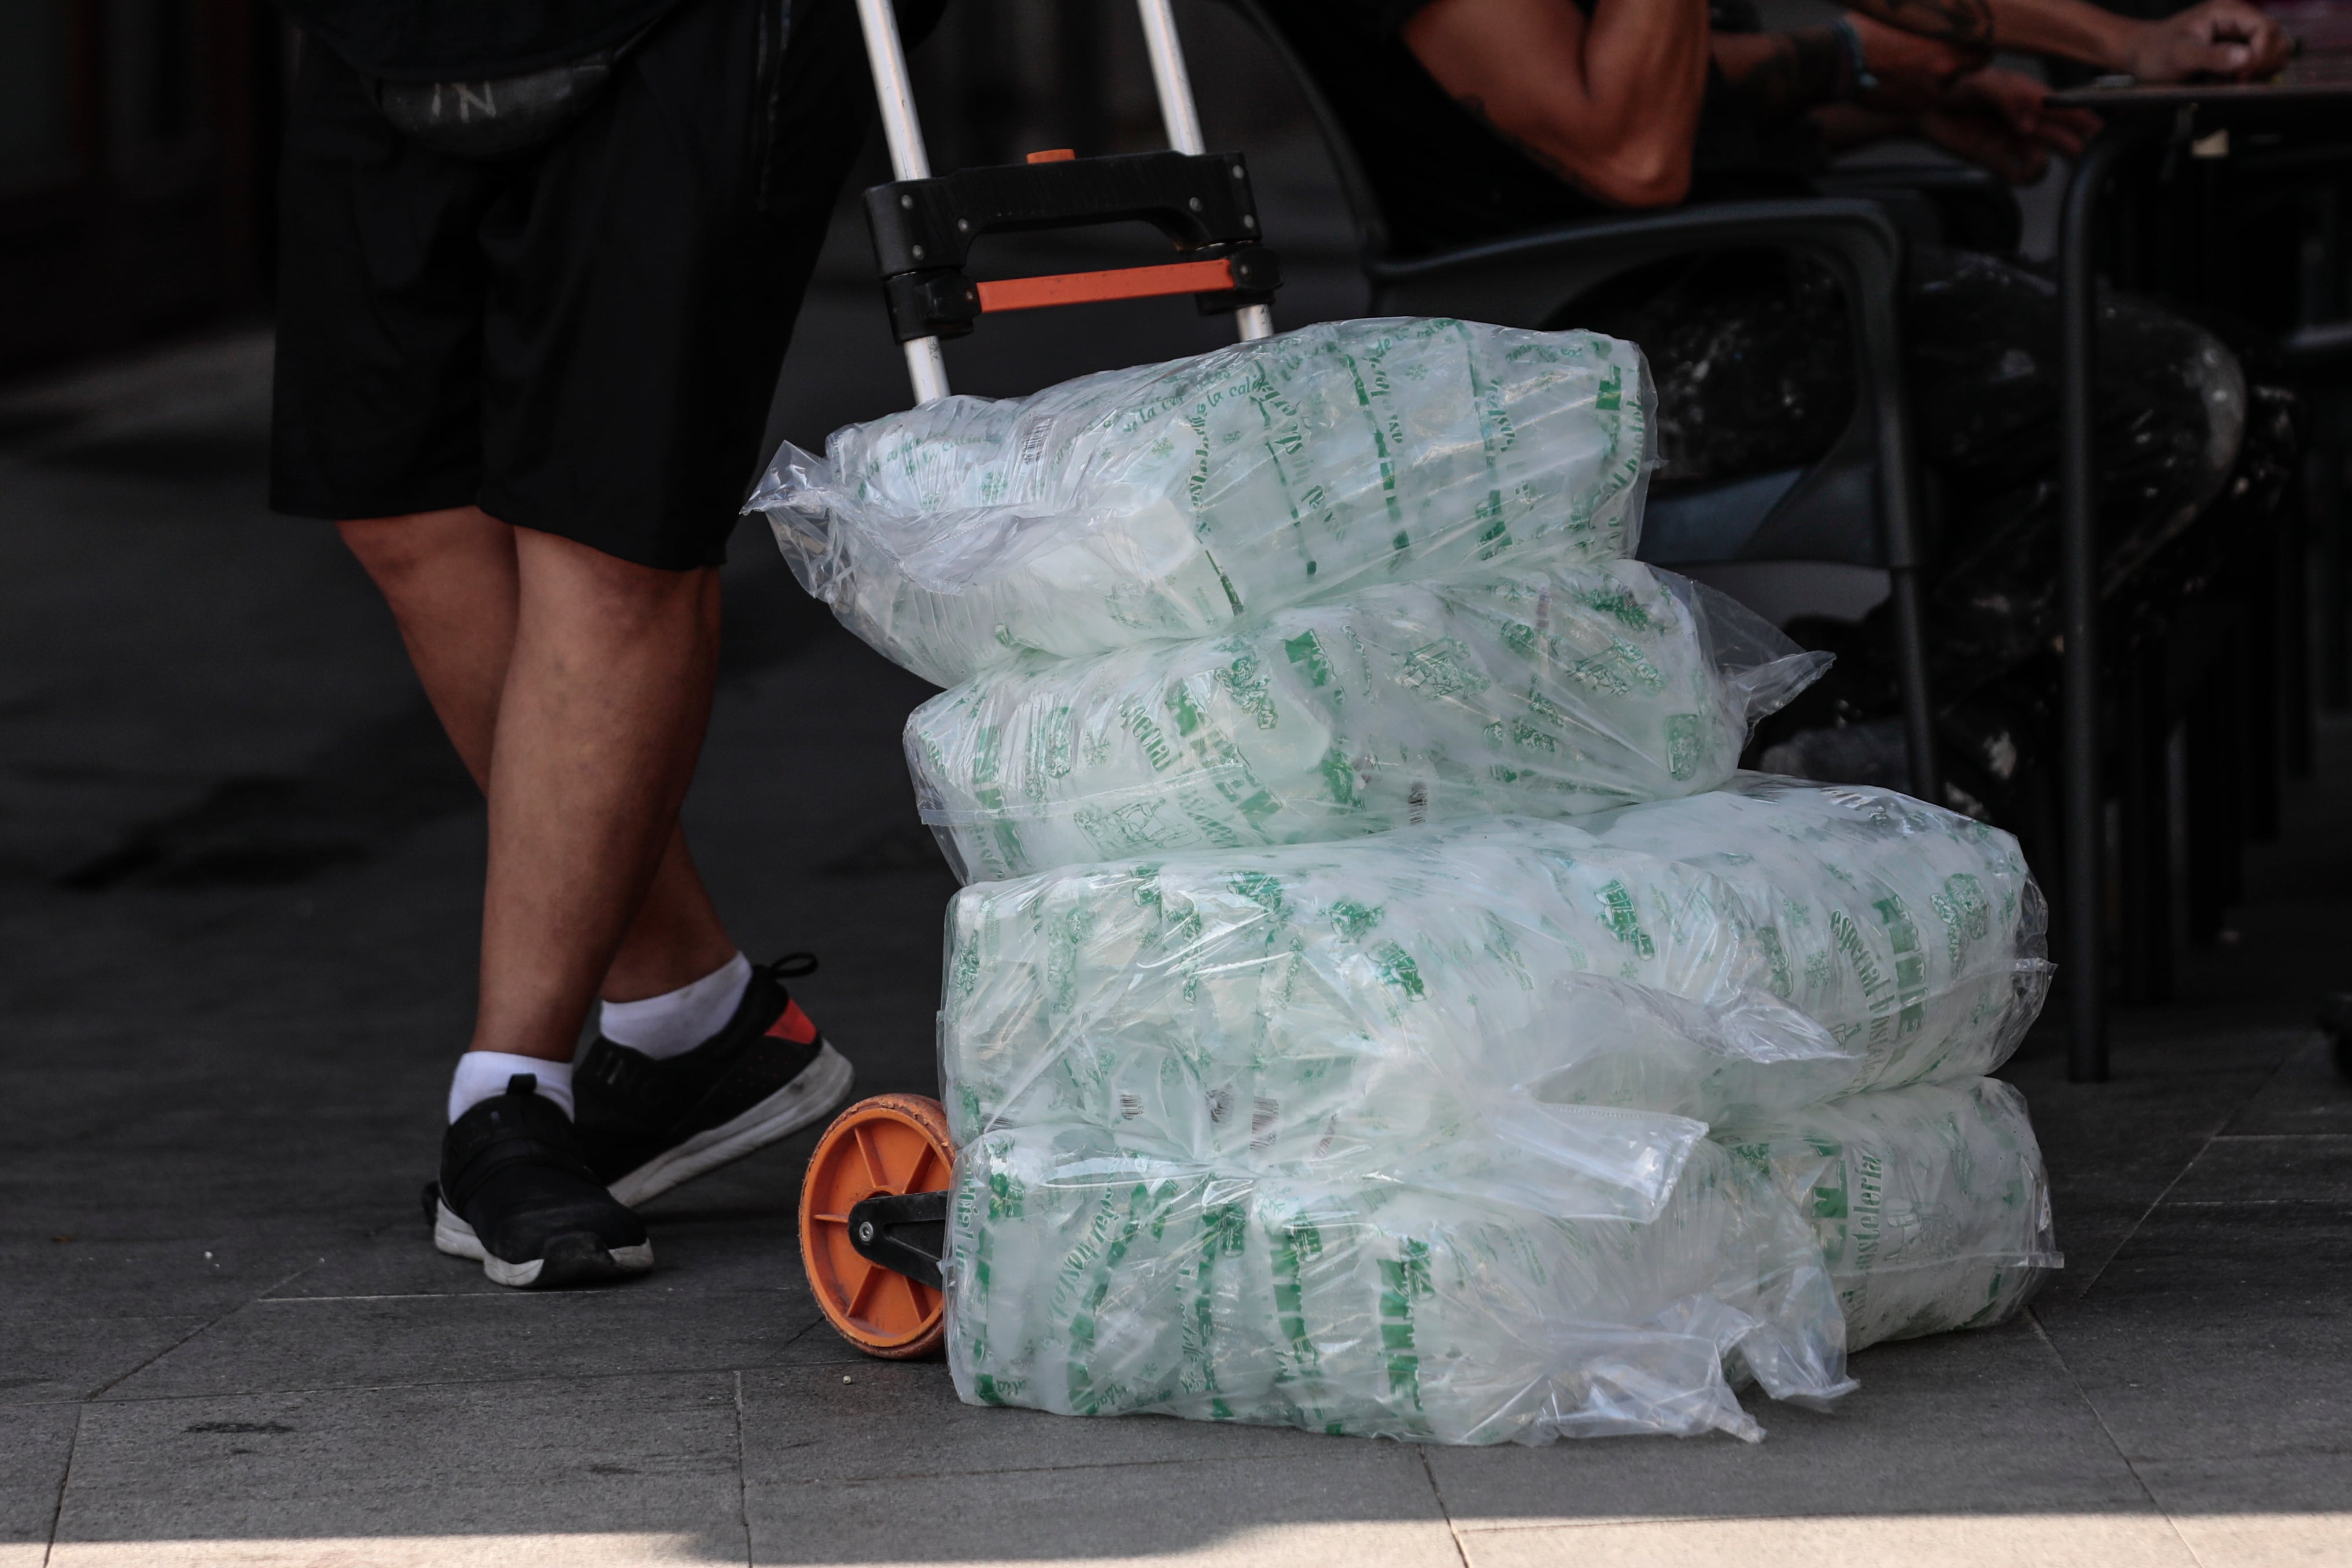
<point x="891" y="1143"/>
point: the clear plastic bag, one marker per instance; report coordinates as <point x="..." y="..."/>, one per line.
<point x="1549" y="693"/>
<point x="1930" y="1203"/>
<point x="1333" y="1002"/>
<point x="1177" y="500"/>
<point x="1745" y="952"/>
<point x="1913" y="934"/>
<point x="1088" y="1277"/>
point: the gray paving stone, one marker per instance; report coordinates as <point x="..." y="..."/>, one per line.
<point x="2305" y="1095"/>
<point x="45" y="1359"/>
<point x="385" y="1474"/>
<point x="2265" y="1483"/>
<point x="2220" y="1331"/>
<point x="2275" y="1168"/>
<point x="876" y="1420"/>
<point x="1977" y="1422"/>
<point x="2113" y="1148"/>
<point x="399" y="1339"/>
<point x="1365" y="1504"/>
<point x="35" y="1443"/>
<point x="735" y="1229"/>
<point x="102" y="1276"/>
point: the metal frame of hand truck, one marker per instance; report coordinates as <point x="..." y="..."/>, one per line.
<point x="923" y="226"/>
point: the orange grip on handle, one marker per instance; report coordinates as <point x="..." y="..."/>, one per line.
<point x="1120" y="283"/>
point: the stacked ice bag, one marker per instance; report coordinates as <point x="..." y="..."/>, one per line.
<point x="1314" y="1053"/>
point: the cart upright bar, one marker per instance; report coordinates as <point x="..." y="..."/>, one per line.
<point x="924" y="225"/>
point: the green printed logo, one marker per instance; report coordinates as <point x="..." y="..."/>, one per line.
<point x="1340" y="777"/>
<point x="1245" y="682"/>
<point x="1910" y="963"/>
<point x="1527" y="738"/>
<point x="1006" y="1195"/>
<point x="1869" y="1192"/>
<point x="1354" y="920"/>
<point x="1966" y="913"/>
<point x="1620" y="605"/>
<point x="1395" y="966"/>
<point x="1305" y="649"/>
<point x="1682" y="745"/>
<point x="1445" y="668"/>
<point x="964" y="976"/>
<point x="1617" y="913"/>
<point x="1292" y="1245"/>
<point x="1403" y="1281"/>
<point x="1495" y="537"/>
<point x="1261" y="889"/>
<point x="1769" y="936"/>
<point x="1187" y="713"/>
<point x="1156" y="749"/>
<point x="1051" y="748"/>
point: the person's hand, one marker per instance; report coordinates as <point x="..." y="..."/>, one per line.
<point x="2002" y="121"/>
<point x="1913" y="72"/>
<point x="2023" y="105"/>
<point x="2224" y="39"/>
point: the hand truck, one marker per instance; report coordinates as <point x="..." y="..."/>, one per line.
<point x="874" y="1202"/>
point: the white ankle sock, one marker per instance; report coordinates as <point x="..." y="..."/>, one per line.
<point x="677" y="1021"/>
<point x="483" y="1074"/>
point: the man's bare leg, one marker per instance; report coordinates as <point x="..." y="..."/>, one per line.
<point x="452" y="581"/>
<point x="608" y="695"/>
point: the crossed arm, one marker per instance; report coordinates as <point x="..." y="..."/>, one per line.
<point x="1610" y="103"/>
<point x="2220" y="38"/>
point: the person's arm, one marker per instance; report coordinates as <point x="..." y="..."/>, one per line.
<point x="1779" y="75"/>
<point x="1608" y="104"/>
<point x="2227" y="38"/>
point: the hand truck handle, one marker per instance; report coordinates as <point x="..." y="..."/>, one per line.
<point x="926" y="366"/>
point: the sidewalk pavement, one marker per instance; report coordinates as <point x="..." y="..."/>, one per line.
<point x="238" y="874"/>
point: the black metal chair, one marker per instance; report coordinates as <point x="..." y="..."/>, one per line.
<point x="1816" y="538"/>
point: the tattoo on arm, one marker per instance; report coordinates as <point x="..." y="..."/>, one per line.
<point x="1954" y="21"/>
<point x="1796" y="71"/>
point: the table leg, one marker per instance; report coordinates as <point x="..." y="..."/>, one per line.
<point x="2084" y="820"/>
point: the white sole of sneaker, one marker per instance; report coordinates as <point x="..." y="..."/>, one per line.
<point x="821" y="1085"/>
<point x="454" y="1236"/>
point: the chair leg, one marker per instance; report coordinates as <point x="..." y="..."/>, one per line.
<point x="2260" y="692"/>
<point x="1919" y="703"/>
<point x="2333" y="578"/>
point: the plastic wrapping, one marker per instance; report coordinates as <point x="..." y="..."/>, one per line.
<point x="1767" y="945"/>
<point x="1930" y="1203"/>
<point x="1090" y="1277"/>
<point x="1549" y="693"/>
<point x="1317" y="1000"/>
<point x="1913" y="934"/>
<point x="1177" y="500"/>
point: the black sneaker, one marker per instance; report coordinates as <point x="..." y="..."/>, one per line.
<point x="517" y="1193"/>
<point x="650" y="1125"/>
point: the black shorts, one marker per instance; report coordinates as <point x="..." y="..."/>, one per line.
<point x="583" y="341"/>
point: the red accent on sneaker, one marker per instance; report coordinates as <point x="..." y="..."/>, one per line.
<point x="793" y="1025"/>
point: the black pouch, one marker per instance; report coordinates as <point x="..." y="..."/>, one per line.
<point x="501" y="117"/>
